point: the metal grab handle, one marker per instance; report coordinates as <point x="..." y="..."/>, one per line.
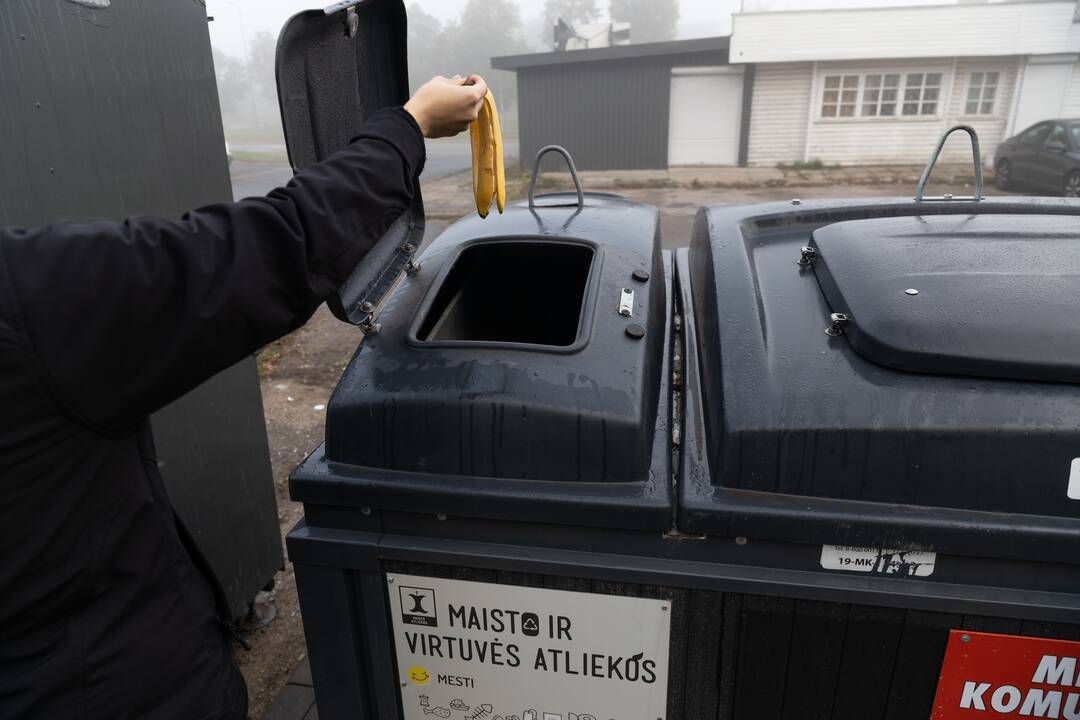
<point x="976" y="156"/>
<point x="569" y="163"/>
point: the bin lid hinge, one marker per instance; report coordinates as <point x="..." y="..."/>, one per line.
<point x="350" y="18"/>
<point x="368" y="324"/>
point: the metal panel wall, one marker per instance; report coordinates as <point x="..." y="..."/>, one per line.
<point x="610" y="114"/>
<point x="110" y="112"/>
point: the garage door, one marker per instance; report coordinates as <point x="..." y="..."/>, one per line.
<point x="706" y="116"/>
<point x="1042" y="92"/>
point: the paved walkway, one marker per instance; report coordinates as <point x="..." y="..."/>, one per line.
<point x="296" y="701"/>
<point x="450" y="195"/>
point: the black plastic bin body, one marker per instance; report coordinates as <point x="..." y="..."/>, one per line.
<point x="544" y="399"/>
<point x="490" y="424"/>
<point x="759" y="628"/>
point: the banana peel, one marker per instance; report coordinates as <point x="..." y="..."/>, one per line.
<point x="488" y="168"/>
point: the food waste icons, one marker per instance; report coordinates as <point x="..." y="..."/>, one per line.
<point x="480" y="712"/>
<point x="485" y="711"/>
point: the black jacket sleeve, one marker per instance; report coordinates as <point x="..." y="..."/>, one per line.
<point x="122" y="318"/>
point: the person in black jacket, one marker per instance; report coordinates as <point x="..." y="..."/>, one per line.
<point x="102" y="612"/>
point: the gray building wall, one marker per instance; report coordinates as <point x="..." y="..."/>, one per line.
<point x="610" y="114"/>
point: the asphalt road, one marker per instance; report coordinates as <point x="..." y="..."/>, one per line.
<point x="258" y="178"/>
<point x="444" y="157"/>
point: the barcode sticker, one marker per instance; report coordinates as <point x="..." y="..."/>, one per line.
<point x="880" y="561"/>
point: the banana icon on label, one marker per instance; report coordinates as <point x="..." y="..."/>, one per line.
<point x="488" y="170"/>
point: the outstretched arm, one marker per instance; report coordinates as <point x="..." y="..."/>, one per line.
<point x="122" y="318"/>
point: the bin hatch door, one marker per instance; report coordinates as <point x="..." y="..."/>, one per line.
<point x="979" y="295"/>
<point x="334" y="68"/>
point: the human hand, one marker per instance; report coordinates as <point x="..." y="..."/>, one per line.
<point x="444" y="107"/>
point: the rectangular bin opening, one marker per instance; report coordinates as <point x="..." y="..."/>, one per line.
<point x="512" y="292"/>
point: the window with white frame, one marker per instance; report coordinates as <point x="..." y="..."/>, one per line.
<point x="982" y="93"/>
<point x="880" y="95"/>
<point x="840" y="96"/>
<point x="922" y="91"/>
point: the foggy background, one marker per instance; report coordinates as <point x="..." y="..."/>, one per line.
<point x="448" y="37"/>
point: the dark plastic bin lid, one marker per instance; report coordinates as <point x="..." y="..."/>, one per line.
<point x="335" y="67"/>
<point x="985" y="295"/>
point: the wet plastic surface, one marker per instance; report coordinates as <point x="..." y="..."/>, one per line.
<point x="527" y="421"/>
<point x="760" y="626"/>
<point x="806" y="439"/>
<point x="973" y="295"/>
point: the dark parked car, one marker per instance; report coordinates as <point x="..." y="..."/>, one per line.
<point x="1045" y="157"/>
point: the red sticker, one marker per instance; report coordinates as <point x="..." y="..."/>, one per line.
<point x="1008" y="676"/>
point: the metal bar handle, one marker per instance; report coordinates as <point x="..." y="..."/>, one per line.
<point x="920" y="189"/>
<point x="569" y="163"/>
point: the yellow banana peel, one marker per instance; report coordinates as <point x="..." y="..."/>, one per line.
<point x="488" y="170"/>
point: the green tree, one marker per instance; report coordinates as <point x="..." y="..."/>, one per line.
<point x="572" y="11"/>
<point x="650" y="20"/>
<point x="262" y="56"/>
<point x="231" y="81"/>
<point x="464" y="46"/>
<point x="487" y="28"/>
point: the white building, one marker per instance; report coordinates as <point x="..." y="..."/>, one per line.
<point x="879" y="85"/>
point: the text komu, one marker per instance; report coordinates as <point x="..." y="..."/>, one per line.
<point x="1034" y="701"/>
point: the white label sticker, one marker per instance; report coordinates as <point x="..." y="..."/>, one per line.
<point x="480" y="651"/>
<point x="1073" y="491"/>
<point x="881" y="561"/>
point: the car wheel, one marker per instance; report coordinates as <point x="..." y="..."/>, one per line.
<point x="1071" y="186"/>
<point x="1003" y="175"/>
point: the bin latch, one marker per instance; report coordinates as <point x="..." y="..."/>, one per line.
<point x="837" y="323"/>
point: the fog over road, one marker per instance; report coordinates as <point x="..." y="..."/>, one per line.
<point x="249" y="178"/>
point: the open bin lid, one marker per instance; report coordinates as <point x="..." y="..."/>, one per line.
<point x="335" y="67"/>
<point x="978" y="295"/>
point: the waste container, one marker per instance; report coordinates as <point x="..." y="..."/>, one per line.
<point x="568" y="476"/>
<point x="881" y="405"/>
<point x="518" y="388"/>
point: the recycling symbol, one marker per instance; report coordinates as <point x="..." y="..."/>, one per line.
<point x="530" y="624"/>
